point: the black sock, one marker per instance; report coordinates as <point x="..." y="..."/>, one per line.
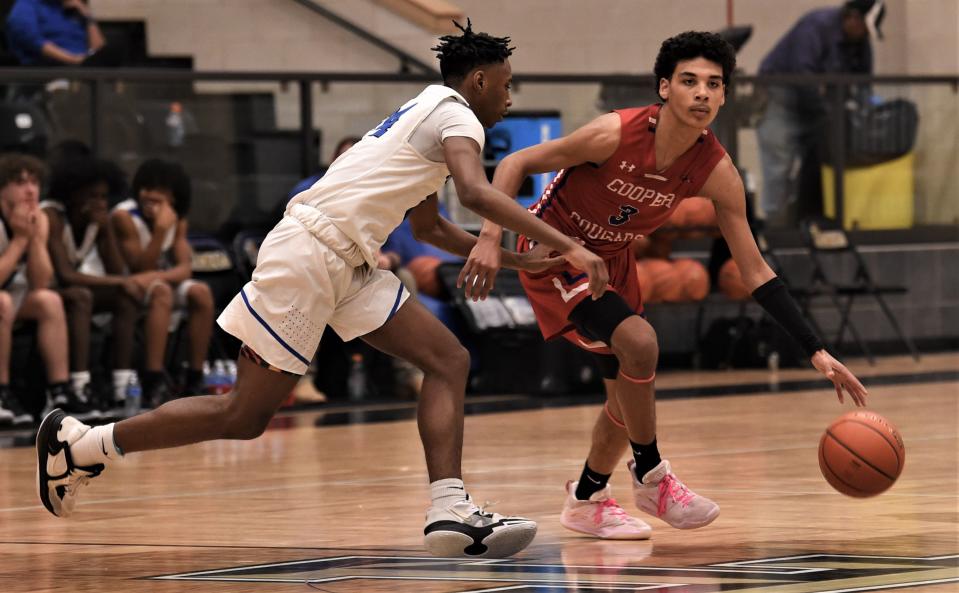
<point x="646" y="457"/>
<point x="590" y="482"/>
<point x="150" y="379"/>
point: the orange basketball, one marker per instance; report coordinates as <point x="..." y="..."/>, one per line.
<point x="424" y="270"/>
<point x="861" y="454"/>
<point x="694" y="279"/>
<point x="666" y="283"/>
<point x="699" y="212"/>
<point x="731" y="282"/>
<point x="677" y="218"/>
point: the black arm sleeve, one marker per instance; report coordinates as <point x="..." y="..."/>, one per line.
<point x="775" y="299"/>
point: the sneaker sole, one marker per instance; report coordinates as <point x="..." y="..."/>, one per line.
<point x="454" y="541"/>
<point x="684" y="525"/>
<point x="48" y="429"/>
<point x="648" y="533"/>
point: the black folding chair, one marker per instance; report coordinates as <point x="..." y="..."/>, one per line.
<point x="826" y="241"/>
<point x="802" y="295"/>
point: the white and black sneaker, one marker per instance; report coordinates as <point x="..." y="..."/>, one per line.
<point x="59" y="479"/>
<point x="11" y="410"/>
<point x="464" y="529"/>
<point x="76" y="404"/>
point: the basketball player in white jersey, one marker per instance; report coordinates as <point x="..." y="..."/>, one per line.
<point x="317" y="267"/>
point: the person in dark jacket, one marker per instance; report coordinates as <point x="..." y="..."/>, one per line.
<point x="826" y="40"/>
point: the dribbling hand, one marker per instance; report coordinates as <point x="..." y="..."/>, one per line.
<point x="841" y="377"/>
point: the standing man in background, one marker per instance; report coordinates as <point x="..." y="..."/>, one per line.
<point x="825" y="40"/>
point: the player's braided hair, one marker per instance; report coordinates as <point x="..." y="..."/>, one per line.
<point x="690" y="45"/>
<point x="458" y="54"/>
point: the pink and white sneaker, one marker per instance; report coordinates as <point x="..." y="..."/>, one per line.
<point x="662" y="495"/>
<point x="600" y="516"/>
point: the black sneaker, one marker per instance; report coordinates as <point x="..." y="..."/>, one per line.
<point x="11" y="411"/>
<point x="59" y="479"/>
<point x="75" y="404"/>
<point x="156" y="390"/>
<point x="464" y="529"/>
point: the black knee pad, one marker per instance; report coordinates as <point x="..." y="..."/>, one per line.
<point x="608" y="365"/>
<point x="597" y="320"/>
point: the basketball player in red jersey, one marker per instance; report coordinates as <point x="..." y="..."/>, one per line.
<point x="620" y="177"/>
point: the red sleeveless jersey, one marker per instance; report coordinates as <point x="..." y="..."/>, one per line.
<point x="608" y="206"/>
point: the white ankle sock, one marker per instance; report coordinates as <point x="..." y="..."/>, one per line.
<point x="79" y="380"/>
<point x="96" y="446"/>
<point x="121" y="377"/>
<point x="447" y="492"/>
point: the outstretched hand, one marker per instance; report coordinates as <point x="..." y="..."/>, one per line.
<point x="841" y="377"/>
<point x="594" y="266"/>
<point x="479" y="272"/>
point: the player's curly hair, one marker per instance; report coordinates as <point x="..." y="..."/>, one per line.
<point x="70" y="175"/>
<point x="164" y="175"/>
<point x="694" y="44"/>
<point x="459" y="54"/>
<point x="13" y="165"/>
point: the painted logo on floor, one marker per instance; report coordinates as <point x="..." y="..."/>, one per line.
<point x="584" y="569"/>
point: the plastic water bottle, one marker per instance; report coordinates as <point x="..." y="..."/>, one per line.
<point x="175" y="128"/>
<point x="219" y="378"/>
<point x="207" y="377"/>
<point x="131" y="406"/>
<point x="230" y="373"/>
<point x="773" y="361"/>
<point x="356" y="381"/>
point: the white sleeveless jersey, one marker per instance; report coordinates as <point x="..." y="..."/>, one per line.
<point x="144" y="232"/>
<point x="369" y="188"/>
<point x="84" y="257"/>
<point x="17" y="282"/>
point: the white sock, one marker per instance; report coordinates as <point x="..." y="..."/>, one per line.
<point x="121" y="377"/>
<point x="96" y="446"/>
<point x="447" y="492"/>
<point x="79" y="380"/>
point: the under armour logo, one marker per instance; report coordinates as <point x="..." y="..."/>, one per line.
<point x="628" y="167"/>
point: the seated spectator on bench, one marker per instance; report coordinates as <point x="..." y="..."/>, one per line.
<point x="151" y="230"/>
<point x="25" y="274"/>
<point x="90" y="271"/>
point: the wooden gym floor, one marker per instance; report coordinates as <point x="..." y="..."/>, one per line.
<point x="319" y="503"/>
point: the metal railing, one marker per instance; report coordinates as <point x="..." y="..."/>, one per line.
<point x="743" y="88"/>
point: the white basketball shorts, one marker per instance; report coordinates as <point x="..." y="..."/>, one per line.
<point x="309" y="275"/>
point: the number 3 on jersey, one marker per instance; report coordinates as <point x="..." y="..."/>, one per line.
<point x="388" y="122"/>
<point x="625" y="211"/>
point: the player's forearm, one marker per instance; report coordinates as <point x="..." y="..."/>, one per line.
<point x="149" y="257"/>
<point x="39" y="266"/>
<point x="448" y="237"/>
<point x="176" y="274"/>
<point x="11" y="257"/>
<point x="509" y="176"/>
<point x="494" y="206"/>
<point x="55" y="52"/>
<point x="507" y="179"/>
<point x="780" y="305"/>
<point x="109" y="251"/>
<point x="452" y="239"/>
